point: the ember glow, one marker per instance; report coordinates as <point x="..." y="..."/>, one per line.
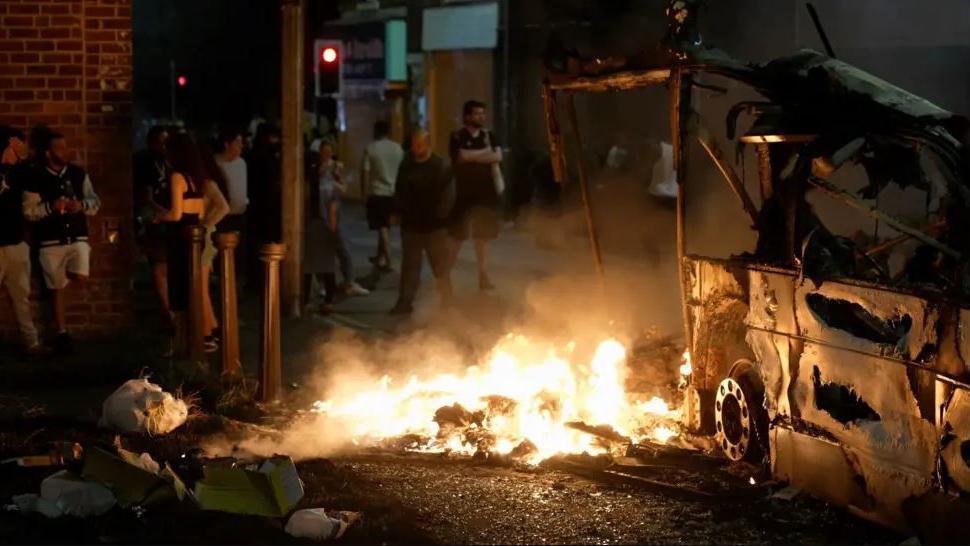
<point x="525" y="400"/>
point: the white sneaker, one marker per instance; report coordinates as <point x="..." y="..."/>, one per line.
<point x="354" y="289"/>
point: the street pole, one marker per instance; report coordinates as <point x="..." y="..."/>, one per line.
<point x="292" y="89"/>
<point x="196" y="237"/>
<point x="227" y="243"/>
<point x="171" y="88"/>
<point x="270" y="374"/>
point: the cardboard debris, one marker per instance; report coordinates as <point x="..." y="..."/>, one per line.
<point x="787" y="493"/>
<point x="136" y="480"/>
<point x="62" y="453"/>
<point x="272" y="489"/>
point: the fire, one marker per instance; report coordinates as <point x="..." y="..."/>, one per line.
<point x="686" y="368"/>
<point x="522" y="400"/>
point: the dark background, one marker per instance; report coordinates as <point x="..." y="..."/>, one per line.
<point x="228" y="50"/>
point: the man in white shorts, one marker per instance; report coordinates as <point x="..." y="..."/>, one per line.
<point x="14" y="252"/>
<point x="58" y="198"/>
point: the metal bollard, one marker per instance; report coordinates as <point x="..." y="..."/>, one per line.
<point x="270" y="375"/>
<point x="227" y="243"/>
<point x="196" y="338"/>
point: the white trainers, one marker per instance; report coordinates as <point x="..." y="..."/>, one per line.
<point x="354" y="289"/>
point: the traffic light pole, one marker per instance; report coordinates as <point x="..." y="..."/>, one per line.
<point x="292" y="129"/>
<point x="171" y="88"/>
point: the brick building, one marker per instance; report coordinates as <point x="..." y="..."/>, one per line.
<point x="67" y="64"/>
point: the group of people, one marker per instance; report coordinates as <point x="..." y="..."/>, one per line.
<point x="42" y="192"/>
<point x="181" y="182"/>
<point x="439" y="203"/>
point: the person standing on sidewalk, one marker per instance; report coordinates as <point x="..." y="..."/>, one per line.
<point x="151" y="182"/>
<point x="331" y="191"/>
<point x="59" y="197"/>
<point x="14" y="252"/>
<point x="476" y="154"/>
<point x="382" y="158"/>
<point x="229" y="149"/>
<point x="423" y="198"/>
<point x="184" y="206"/>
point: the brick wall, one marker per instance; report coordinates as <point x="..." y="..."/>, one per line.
<point x="67" y="64"/>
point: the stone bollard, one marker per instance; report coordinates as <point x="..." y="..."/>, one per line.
<point x="226" y="243"/>
<point x="196" y="338"/>
<point x="270" y="375"/>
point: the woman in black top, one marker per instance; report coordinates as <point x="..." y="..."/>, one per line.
<point x="183" y="207"/>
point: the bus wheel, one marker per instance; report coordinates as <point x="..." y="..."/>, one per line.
<point x="739" y="417"/>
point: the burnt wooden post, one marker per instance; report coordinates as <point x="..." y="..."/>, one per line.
<point x="680" y="108"/>
<point x="196" y="337"/>
<point x="227" y="243"/>
<point x="270" y="376"/>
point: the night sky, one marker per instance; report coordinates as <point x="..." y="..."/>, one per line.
<point x="228" y="51"/>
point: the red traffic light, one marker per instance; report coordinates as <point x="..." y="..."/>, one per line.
<point x="182" y="80"/>
<point x="328" y="55"/>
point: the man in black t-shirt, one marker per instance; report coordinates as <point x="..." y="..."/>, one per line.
<point x="475" y="154"/>
<point x="423" y="197"/>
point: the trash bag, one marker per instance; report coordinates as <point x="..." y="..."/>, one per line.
<point x="66" y="494"/>
<point x="142" y="406"/>
<point x="316" y="524"/>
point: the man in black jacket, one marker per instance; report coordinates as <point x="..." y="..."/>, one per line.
<point x="59" y="197"/>
<point x="424" y="195"/>
<point x="14" y="252"/>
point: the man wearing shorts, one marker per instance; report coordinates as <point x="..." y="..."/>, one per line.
<point x="474" y="150"/>
<point x="382" y="158"/>
<point x="14" y="252"/>
<point x="59" y="197"/>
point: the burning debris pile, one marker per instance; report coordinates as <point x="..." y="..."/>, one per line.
<point x="530" y="400"/>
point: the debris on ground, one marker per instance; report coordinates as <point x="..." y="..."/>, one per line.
<point x="61" y="453"/>
<point x="141" y="406"/>
<point x="67" y="494"/>
<point x="271" y="488"/>
<point x="136" y="480"/>
<point x="317" y="524"/>
<point x="787" y="493"/>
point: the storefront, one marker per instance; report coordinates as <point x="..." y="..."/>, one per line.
<point x="373" y="83"/>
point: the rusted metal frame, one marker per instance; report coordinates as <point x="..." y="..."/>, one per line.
<point x="890" y="243"/>
<point x="553" y="134"/>
<point x="680" y="108"/>
<point x="614" y="82"/>
<point x="731" y="177"/>
<point x="764" y="171"/>
<point x="845" y="197"/>
<point x="584" y="189"/>
<point x="942" y="376"/>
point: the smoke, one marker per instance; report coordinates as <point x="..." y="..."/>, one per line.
<point x="571" y="305"/>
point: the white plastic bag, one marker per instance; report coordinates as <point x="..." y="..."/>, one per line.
<point x="65" y="494"/>
<point x="316" y="524"/>
<point x="142" y="406"/>
<point x="312" y="523"/>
